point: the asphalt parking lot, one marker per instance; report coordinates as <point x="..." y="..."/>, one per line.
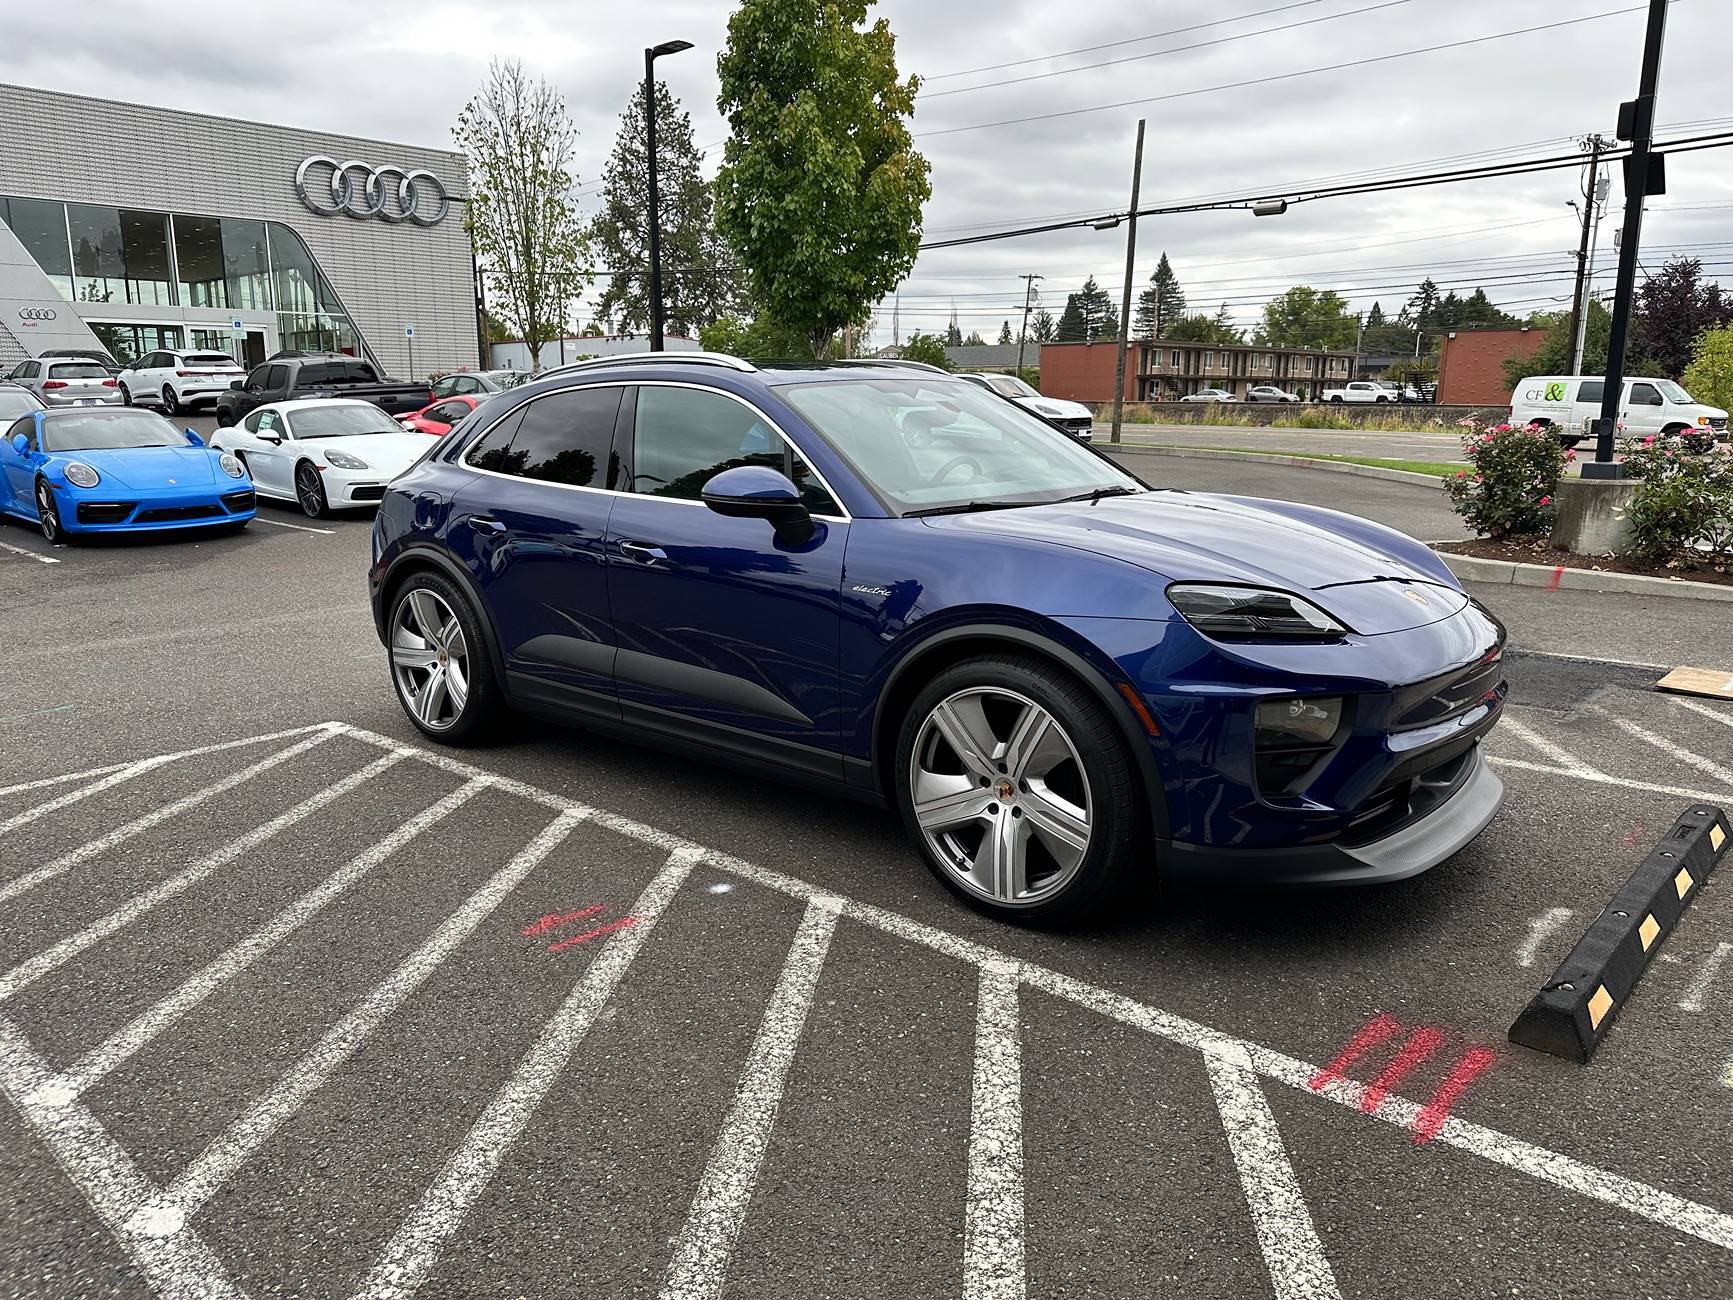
<point x="291" y="1005"/>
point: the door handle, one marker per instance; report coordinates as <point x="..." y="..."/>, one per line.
<point x="643" y="552"/>
<point x="482" y="524"/>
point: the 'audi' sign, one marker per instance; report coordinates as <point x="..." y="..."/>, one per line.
<point x="36" y="313"/>
<point x="361" y="190"/>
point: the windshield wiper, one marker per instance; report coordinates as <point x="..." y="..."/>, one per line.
<point x="967" y="507"/>
<point x="1093" y="496"/>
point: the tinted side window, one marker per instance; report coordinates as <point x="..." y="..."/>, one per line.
<point x="1645" y="395"/>
<point x="1590" y="390"/>
<point x="685" y="437"/>
<point x="566" y="438"/>
<point x="493" y="448"/>
<point x="275" y="377"/>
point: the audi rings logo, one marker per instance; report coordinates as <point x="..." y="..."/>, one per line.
<point x="36" y="313"/>
<point x="361" y="190"/>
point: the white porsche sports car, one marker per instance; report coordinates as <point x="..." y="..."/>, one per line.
<point x="323" y="453"/>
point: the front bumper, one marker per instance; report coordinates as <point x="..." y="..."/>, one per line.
<point x="106" y="509"/>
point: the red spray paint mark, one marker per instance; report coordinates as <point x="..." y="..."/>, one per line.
<point x="1557" y="577"/>
<point x="1421" y="1044"/>
<point x="597" y="933"/>
<point x="554" y="920"/>
<point x="1368" y="1036"/>
<point x="1475" y="1062"/>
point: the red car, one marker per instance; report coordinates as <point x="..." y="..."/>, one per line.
<point x="438" y="418"/>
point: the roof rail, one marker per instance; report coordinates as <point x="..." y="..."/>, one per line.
<point x="889" y="361"/>
<point x="655" y="358"/>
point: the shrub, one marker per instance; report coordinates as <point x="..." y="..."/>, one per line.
<point x="1512" y="476"/>
<point x="1682" y="512"/>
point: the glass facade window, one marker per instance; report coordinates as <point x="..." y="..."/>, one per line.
<point x="127" y="343"/>
<point x="199" y="259"/>
<point x="246" y="264"/>
<point x="41" y="227"/>
<point x="308" y="316"/>
<point x="119" y="255"/>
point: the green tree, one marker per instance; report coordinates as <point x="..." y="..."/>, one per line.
<point x="1554" y="354"/>
<point x="928" y="348"/>
<point x="1005" y="332"/>
<point x="1382" y="335"/>
<point x="1673" y="308"/>
<point x="1089" y="316"/>
<point x="974" y="339"/>
<point x="820" y="187"/>
<point x="1417" y="311"/>
<point x="1042" y="327"/>
<point x="698" y="286"/>
<point x="760" y="339"/>
<point x="1709" y="377"/>
<point x="1198" y="328"/>
<point x="1226" y="330"/>
<point x="953" y="336"/>
<point x="1161" y="304"/>
<point x="1305" y="317"/>
<point x="519" y="144"/>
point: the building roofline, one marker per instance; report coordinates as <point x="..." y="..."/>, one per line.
<point x="218" y="117"/>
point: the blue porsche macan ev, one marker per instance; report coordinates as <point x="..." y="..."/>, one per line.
<point x="83" y="470"/>
<point x="899" y="586"/>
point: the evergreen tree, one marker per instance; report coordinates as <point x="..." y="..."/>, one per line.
<point x="1072" y="326"/>
<point x="1042" y="327"/>
<point x="1005" y="332"/>
<point x="953" y="335"/>
<point x="697" y="289"/>
<point x="1419" y="308"/>
<point x="974" y="339"/>
<point x="1161" y="304"/>
<point x="1226" y="331"/>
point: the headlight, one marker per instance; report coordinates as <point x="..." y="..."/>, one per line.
<point x="230" y="465"/>
<point x="81" y="475"/>
<point x="1252" y="614"/>
<point x="343" y="460"/>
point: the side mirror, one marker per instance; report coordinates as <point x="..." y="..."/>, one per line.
<point x="237" y="384"/>
<point x="21" y="445"/>
<point x="758" y="492"/>
<point x="193" y="437"/>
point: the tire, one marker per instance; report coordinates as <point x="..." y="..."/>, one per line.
<point x="48" y="514"/>
<point x="125" y="396"/>
<point x="1336" y="401"/>
<point x="309" y="491"/>
<point x="171" y="405"/>
<point x="1033" y="870"/>
<point x="430" y="600"/>
<point x="225" y="418"/>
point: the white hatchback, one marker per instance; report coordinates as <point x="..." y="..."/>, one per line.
<point x="1567" y="403"/>
<point x="323" y="453"/>
<point x="178" y="381"/>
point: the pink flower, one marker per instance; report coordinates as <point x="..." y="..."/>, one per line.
<point x="1649" y="441"/>
<point x="1546" y="501"/>
<point x="1461" y="473"/>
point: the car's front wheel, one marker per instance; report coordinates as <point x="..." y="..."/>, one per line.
<point x="48" y="514"/>
<point x="1018" y="789"/>
<point x="439" y="661"/>
<point x="125" y="395"/>
<point x="309" y="490"/>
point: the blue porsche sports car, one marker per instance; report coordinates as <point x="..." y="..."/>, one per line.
<point x="81" y="470"/>
<point x="891" y="584"/>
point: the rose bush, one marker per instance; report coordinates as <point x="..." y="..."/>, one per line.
<point x="1682" y="512"/>
<point x="1512" y="478"/>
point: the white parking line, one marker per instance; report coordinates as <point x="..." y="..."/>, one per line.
<point x="1510" y="726"/>
<point x="1540" y="929"/>
<point x="1690" y="758"/>
<point x="200" y="1180"/>
<point x="1601" y="778"/>
<point x="29" y="555"/>
<point x="1699" y="990"/>
<point x="66" y="777"/>
<point x="120" y="1046"/>
<point x="300" y="528"/>
<point x="1292" y="1252"/>
<point x="993" y="1267"/>
<point x="1697" y="706"/>
<point x="705" y="1245"/>
<point x="84" y="792"/>
<point x="30" y="879"/>
<point x="416" y="1245"/>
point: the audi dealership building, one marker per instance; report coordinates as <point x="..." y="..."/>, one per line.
<point x="136" y="229"/>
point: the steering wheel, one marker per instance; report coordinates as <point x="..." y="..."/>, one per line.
<point x="944" y="471"/>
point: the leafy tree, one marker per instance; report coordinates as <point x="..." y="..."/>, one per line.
<point x="760" y="339"/>
<point x="1554" y="354"/>
<point x="929" y="348"/>
<point x="1005" y="332"/>
<point x="1673" y="308"/>
<point x="535" y="259"/>
<point x="820" y="187"/>
<point x="1305" y="317"/>
<point x="1382" y="335"/>
<point x="697" y="285"/>
<point x="1709" y="377"/>
<point x="1199" y="328"/>
<point x="1089" y="315"/>
<point x="1042" y="327"/>
<point x="1161" y="304"/>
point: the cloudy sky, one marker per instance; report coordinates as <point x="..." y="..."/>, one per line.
<point x="400" y="70"/>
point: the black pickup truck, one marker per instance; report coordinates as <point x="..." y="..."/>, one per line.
<point x="283" y="379"/>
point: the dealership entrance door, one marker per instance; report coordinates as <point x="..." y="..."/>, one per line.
<point x="253" y="350"/>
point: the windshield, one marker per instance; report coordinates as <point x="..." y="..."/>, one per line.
<point x="342" y="421"/>
<point x="1010" y="386"/>
<point x="93" y="431"/>
<point x="15" y="402"/>
<point x="929" y="444"/>
<point x="503" y="378"/>
<point x="1673" y="393"/>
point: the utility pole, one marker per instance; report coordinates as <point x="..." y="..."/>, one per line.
<point x="1125" y="296"/>
<point x="655" y="217"/>
<point x="1591" y="220"/>
<point x="897" y="320"/>
<point x="1645" y="174"/>
<point x="1023" y="334"/>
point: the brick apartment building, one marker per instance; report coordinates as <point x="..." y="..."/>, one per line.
<point x="1166" y="369"/>
<point x="1471" y="364"/>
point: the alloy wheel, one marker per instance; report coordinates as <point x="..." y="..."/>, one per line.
<point x="46" y="512"/>
<point x="1000" y="795"/>
<point x="430" y="659"/>
<point x="170" y="403"/>
<point x="309" y="491"/>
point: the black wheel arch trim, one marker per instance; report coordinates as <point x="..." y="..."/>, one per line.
<point x="1104" y="690"/>
<point x="425" y="554"/>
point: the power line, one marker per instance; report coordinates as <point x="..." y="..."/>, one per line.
<point x="1284" y="76"/>
<point x="1177" y="49"/>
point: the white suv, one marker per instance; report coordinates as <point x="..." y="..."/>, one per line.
<point x="1566" y="403"/>
<point x="178" y="381"/>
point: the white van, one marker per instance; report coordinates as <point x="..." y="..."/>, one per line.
<point x="1567" y="402"/>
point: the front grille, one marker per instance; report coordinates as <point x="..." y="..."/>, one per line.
<point x="368" y="492"/>
<point x="1718" y="423"/>
<point x="177" y="514"/>
<point x="104" y="512"/>
<point x="238" y="502"/>
<point x="1408" y="799"/>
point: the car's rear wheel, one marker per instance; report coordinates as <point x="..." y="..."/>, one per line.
<point x="225" y="418"/>
<point x="48" y="514"/>
<point x="439" y="661"/>
<point x="125" y="395"/>
<point x="309" y="491"/>
<point x="1018" y="789"/>
<point x="171" y="404"/>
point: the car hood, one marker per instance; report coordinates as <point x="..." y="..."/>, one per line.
<point x="150" y="468"/>
<point x="1057" y="406"/>
<point x="390" y="453"/>
<point x="1199" y="537"/>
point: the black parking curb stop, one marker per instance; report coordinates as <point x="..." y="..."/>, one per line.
<point x="1575" y="1008"/>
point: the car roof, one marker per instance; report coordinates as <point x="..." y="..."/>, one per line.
<point x="304" y="403"/>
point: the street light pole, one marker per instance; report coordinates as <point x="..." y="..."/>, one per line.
<point x="655" y="217"/>
<point x="1125" y="296"/>
<point x="1023" y="334"/>
<point x="1643" y="177"/>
